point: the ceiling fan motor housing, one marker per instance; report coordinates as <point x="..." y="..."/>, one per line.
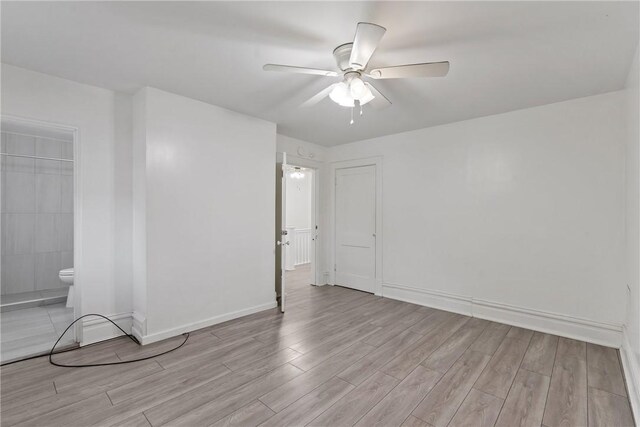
<point x="350" y="75"/>
<point x="343" y="54"/>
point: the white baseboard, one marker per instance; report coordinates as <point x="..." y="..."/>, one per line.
<point x="631" y="370"/>
<point x="95" y="329"/>
<point x="139" y="325"/>
<point x="607" y="334"/>
<point x="436" y="299"/>
<point x="168" y="333"/>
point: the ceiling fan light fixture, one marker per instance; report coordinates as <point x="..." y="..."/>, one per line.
<point x="341" y="95"/>
<point x="357" y="88"/>
<point x="367" y="97"/>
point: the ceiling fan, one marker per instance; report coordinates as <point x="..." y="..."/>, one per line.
<point x="353" y="60"/>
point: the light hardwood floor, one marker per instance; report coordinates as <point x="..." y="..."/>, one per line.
<point x="338" y="357"/>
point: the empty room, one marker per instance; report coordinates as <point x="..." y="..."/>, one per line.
<point x="320" y="213"/>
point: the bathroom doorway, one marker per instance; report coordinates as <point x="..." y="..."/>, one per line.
<point x="299" y="233"/>
<point x="37" y="237"/>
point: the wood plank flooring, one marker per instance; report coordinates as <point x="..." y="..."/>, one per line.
<point x="338" y="357"/>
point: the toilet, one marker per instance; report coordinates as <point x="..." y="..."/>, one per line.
<point x="66" y="276"/>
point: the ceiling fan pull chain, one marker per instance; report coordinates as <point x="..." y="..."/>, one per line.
<point x="351" y="122"/>
<point x="360" y="110"/>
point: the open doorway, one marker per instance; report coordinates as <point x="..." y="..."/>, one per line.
<point x="300" y="226"/>
<point x="296" y="229"/>
<point x="37" y="225"/>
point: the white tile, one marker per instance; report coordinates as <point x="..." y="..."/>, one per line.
<point x="18" y="192"/>
<point x="33" y="330"/>
<point x="18" y="273"/>
<point x="64" y="225"/>
<point x="66" y="260"/>
<point x="66" y="152"/>
<point x="46" y="233"/>
<point x="18" y="144"/>
<point x="13" y="331"/>
<point x="46" y="147"/>
<point x="18" y="234"/>
<point x="27" y="337"/>
<point x="21" y="297"/>
<point x="28" y="346"/>
<point x="48" y="193"/>
<point x="60" y="328"/>
<point x="23" y="315"/>
<point x="60" y="311"/>
<point x="47" y="270"/>
<point x="66" y="193"/>
<point x="54" y="293"/>
<point x="61" y="317"/>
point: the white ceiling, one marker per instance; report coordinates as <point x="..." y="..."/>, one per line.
<point x="504" y="55"/>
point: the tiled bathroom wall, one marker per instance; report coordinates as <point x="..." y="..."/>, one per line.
<point x="37" y="213"/>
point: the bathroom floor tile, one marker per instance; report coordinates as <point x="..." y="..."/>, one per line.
<point x="33" y="330"/>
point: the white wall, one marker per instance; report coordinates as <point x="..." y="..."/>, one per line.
<point x="139" y="214"/>
<point x="123" y="197"/>
<point x="631" y="339"/>
<point x="103" y="168"/>
<point x="524" y="209"/>
<point x="209" y="224"/>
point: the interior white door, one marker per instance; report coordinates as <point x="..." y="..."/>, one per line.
<point x="355" y="219"/>
<point x="283" y="241"/>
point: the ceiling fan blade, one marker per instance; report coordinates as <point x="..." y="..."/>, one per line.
<point x="318" y="97"/>
<point x="298" y="70"/>
<point x="379" y="101"/>
<point x="364" y="44"/>
<point x="427" y="69"/>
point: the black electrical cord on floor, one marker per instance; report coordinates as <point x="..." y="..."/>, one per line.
<point x="122" y="362"/>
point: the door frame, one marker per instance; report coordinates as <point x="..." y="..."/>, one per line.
<point x="347" y="164"/>
<point x="313" y="256"/>
<point x="77" y="330"/>
<point x="293" y="160"/>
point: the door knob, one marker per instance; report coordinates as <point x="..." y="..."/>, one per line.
<point x="279" y="243"/>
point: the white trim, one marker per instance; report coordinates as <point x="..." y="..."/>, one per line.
<point x="353" y="163"/>
<point x="631" y="371"/>
<point x="303" y="162"/>
<point x="138" y="325"/>
<point x="607" y="334"/>
<point x="436" y="299"/>
<point x="168" y="333"/>
<point x="96" y="329"/>
<point x="315" y="227"/>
